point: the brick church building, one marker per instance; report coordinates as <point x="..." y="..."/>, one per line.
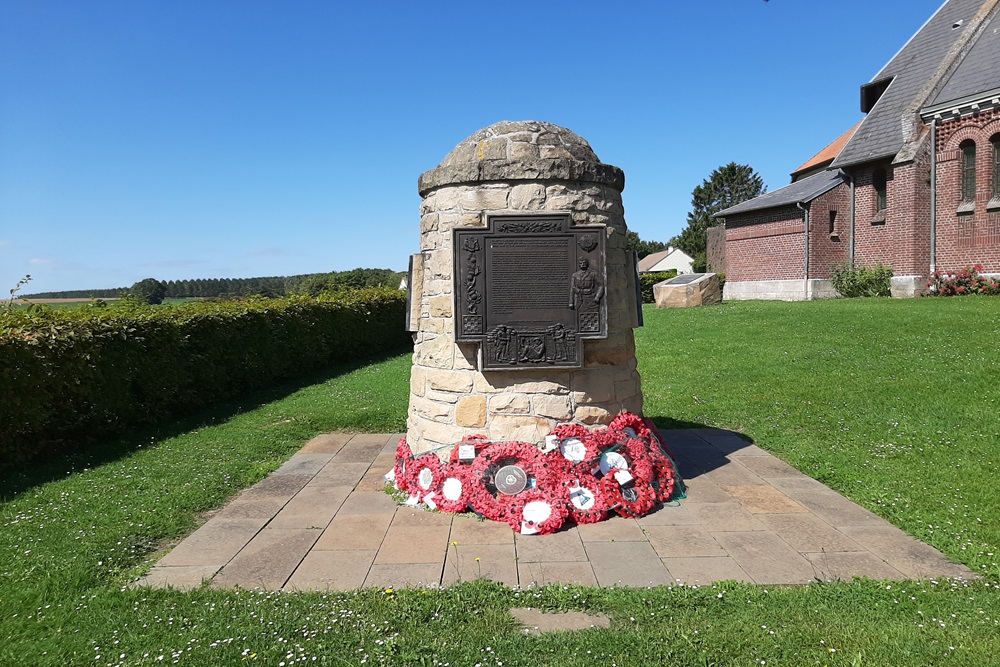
<point x="914" y="185"/>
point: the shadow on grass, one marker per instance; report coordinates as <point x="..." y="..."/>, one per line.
<point x="78" y="456"/>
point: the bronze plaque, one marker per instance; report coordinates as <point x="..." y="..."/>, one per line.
<point x="529" y="289"/>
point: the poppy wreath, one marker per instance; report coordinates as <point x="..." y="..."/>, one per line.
<point x="423" y="476"/>
<point x="583" y="497"/>
<point x="577" y="449"/>
<point x="483" y="494"/>
<point x="627" y="420"/>
<point x="404" y="455"/>
<point x="640" y="463"/>
<point x="538" y="511"/>
<point x="479" y="443"/>
<point x="633" y="500"/>
<point x="452" y="492"/>
<point x="664" y="481"/>
<point x="564" y="431"/>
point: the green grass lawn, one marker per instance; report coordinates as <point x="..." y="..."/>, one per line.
<point x="893" y="403"/>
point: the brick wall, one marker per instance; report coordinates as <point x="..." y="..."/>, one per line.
<point x="968" y="238"/>
<point x="829" y="246"/>
<point x="766" y="245"/>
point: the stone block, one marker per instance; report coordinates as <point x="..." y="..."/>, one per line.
<point x="418" y="380"/>
<point x="702" y="291"/>
<point x="509" y="404"/>
<point x="526" y="428"/>
<point x="529" y="197"/>
<point x="440" y="306"/>
<point x="552" y="406"/>
<point x="471" y="412"/>
<point x="431" y="409"/>
<point x="519" y="151"/>
<point x="428" y="223"/>
<point x="492" y="199"/>
<point x="450" y="380"/>
<point x="492" y="149"/>
<point x="592" y="414"/>
<point x="438" y="352"/>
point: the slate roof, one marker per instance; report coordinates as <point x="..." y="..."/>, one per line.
<point x="799" y="192"/>
<point x="979" y="71"/>
<point x="915" y="72"/>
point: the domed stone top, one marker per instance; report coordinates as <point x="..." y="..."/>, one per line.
<point x="521" y="150"/>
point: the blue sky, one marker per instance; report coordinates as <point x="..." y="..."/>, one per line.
<point x="217" y="139"/>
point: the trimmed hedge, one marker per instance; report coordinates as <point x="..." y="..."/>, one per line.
<point x="69" y="376"/>
<point x="647" y="280"/>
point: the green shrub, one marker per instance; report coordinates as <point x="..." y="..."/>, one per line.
<point x="647" y="280"/>
<point x="68" y="376"/>
<point x="854" y="281"/>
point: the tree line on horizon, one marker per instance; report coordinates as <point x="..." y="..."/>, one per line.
<point x="726" y="186"/>
<point x="154" y="291"/>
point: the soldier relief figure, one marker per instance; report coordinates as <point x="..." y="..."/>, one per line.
<point x="587" y="290"/>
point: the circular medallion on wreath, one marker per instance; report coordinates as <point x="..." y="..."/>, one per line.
<point x="503" y="471"/>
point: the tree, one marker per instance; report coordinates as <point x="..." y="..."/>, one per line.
<point x="149" y="290"/>
<point x="642" y="248"/>
<point x="726" y="186"/>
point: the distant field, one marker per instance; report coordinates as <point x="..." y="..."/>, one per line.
<point x="68" y="303"/>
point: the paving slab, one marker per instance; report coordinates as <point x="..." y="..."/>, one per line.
<point x="469" y="562"/>
<point x="730" y="516"/>
<point x="470" y="529"/>
<point x="674" y="513"/>
<point x="910" y="556"/>
<point x="328" y="443"/>
<point x="612" y="529"/>
<point x="632" y="564"/>
<point x="354" y="532"/>
<point x="368" y="502"/>
<point x="763" y="499"/>
<point x="766" y="558"/>
<point x="413" y="544"/>
<point x="705" y="570"/>
<point x="303" y="464"/>
<point x="847" y="565"/>
<point x="332" y="570"/>
<point x="806" y="532"/>
<point x="564" y="545"/>
<point x="324" y="522"/>
<point x="536" y="621"/>
<point x="683" y="542"/>
<point x="214" y="544"/>
<point x="311" y="508"/>
<point x="268" y="560"/>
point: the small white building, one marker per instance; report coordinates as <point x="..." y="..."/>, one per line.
<point x="671" y="258"/>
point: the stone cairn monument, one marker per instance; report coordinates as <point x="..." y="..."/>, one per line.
<point x="525" y="402"/>
<point x="523" y="297"/>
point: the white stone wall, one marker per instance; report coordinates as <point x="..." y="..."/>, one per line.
<point x="449" y="397"/>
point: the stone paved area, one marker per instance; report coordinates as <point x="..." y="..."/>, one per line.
<point x="323" y="522"/>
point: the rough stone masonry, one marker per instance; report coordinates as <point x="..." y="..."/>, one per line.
<point x="516" y="168"/>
